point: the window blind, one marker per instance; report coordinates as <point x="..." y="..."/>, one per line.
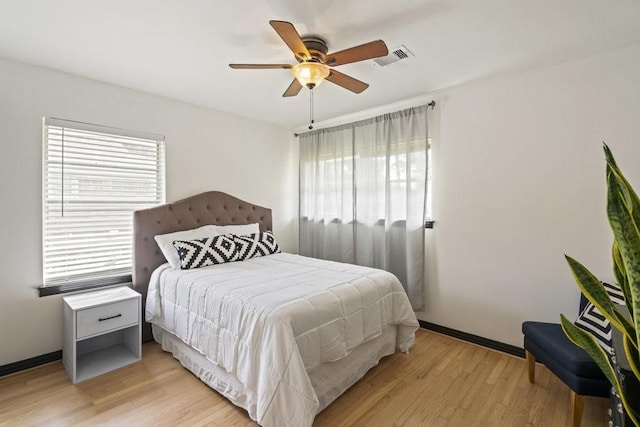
<point x="94" y="177"/>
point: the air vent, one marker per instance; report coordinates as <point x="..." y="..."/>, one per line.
<point x="395" y="55"/>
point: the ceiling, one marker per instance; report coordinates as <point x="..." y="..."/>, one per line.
<point x="180" y="49"/>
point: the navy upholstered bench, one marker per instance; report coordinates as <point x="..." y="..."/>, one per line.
<point x="547" y="344"/>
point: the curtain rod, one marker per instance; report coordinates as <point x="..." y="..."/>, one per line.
<point x="431" y="104"/>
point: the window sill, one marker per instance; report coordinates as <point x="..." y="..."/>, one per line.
<point x="84" y="285"/>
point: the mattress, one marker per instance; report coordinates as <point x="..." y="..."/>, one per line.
<point x="271" y="321"/>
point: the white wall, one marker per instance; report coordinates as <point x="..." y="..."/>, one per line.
<point x="206" y="150"/>
<point x="518" y="182"/>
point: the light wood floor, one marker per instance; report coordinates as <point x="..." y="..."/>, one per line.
<point x="443" y="382"/>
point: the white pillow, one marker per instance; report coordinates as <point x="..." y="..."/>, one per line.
<point x="239" y="230"/>
<point x="165" y="241"/>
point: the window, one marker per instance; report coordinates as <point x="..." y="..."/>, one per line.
<point x="334" y="172"/>
<point x="397" y="169"/>
<point x="94" y="177"/>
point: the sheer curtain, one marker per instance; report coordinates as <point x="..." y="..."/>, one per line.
<point x="363" y="189"/>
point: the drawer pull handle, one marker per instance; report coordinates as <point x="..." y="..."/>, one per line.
<point x="102" y="319"/>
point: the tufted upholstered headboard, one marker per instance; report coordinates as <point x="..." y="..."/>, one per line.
<point x="212" y="207"/>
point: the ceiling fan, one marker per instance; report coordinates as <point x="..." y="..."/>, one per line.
<point x="314" y="65"/>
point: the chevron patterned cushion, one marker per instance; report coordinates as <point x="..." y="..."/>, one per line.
<point x="208" y="251"/>
<point x="592" y="321"/>
<point x="255" y="245"/>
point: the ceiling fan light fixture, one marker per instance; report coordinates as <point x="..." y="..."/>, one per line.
<point x="310" y="74"/>
<point x="313" y="62"/>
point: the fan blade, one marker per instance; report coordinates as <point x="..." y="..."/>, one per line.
<point x="293" y="89"/>
<point x="369" y="50"/>
<point x="258" y="66"/>
<point x="290" y="36"/>
<point x="347" y="82"/>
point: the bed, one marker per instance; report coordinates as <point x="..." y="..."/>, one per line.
<point x="282" y="335"/>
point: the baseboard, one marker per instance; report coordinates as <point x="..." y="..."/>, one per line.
<point x="476" y="339"/>
<point x="30" y="363"/>
<point x="485" y="342"/>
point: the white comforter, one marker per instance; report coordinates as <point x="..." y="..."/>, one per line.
<point x="268" y="320"/>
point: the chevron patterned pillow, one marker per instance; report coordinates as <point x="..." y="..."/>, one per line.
<point x="208" y="251"/>
<point x="255" y="245"/>
<point x="591" y="320"/>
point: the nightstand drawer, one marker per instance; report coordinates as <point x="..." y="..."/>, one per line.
<point x="106" y="317"/>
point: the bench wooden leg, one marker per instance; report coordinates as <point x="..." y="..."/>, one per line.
<point x="531" y="363"/>
<point x="577" y="404"/>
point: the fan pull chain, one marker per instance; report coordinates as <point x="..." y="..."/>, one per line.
<point x="311" y="109"/>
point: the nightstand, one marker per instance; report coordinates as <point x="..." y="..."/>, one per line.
<point x="102" y="332"/>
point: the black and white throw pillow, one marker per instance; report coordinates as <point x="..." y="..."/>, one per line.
<point x="255" y="245"/>
<point x="203" y="252"/>
<point x="591" y="320"/>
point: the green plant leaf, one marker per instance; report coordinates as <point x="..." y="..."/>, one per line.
<point x="630" y="195"/>
<point x="634" y="362"/>
<point x="621" y="201"/>
<point x="633" y="357"/>
<point x="586" y="341"/>
<point x="623" y="210"/>
<point x="635" y="314"/>
<point x="594" y="291"/>
<point x="621" y="275"/>
<point x="627" y="327"/>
